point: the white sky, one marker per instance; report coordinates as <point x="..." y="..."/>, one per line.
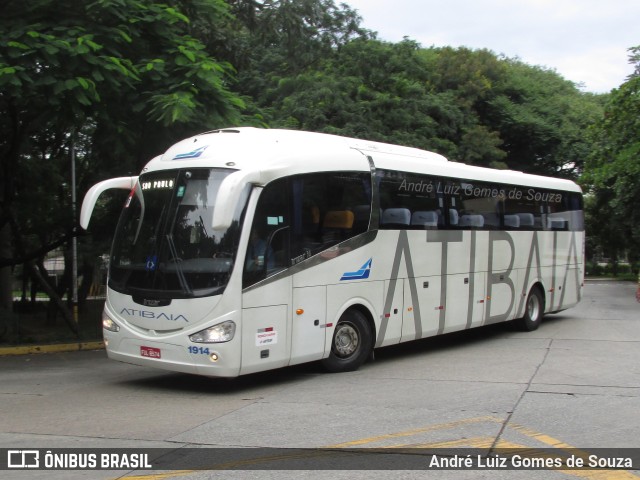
<point x="585" y="41"/>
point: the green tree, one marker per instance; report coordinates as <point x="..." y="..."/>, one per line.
<point x="284" y="38"/>
<point x="118" y="79"/>
<point x="541" y="118"/>
<point x="469" y="78"/>
<point x="364" y="90"/>
<point x="369" y="89"/>
<point x="612" y="175"/>
<point x="471" y="106"/>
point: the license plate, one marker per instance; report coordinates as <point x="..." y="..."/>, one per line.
<point x="150" y="352"/>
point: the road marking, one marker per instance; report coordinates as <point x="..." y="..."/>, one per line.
<point x="408" y="433"/>
<point x="480" y="442"/>
<point x="555" y="443"/>
<point x="160" y="476"/>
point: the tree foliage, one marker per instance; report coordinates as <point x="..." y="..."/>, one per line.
<point x="613" y="173"/>
<point x="128" y="75"/>
<point x="471" y="106"/>
<point x="120" y="80"/>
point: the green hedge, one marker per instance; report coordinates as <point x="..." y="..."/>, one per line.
<point x="624" y="271"/>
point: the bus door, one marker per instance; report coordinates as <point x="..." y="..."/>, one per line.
<point x="267" y="285"/>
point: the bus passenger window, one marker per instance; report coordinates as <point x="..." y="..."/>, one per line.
<point x="328" y="208"/>
<point x="480" y="203"/>
<point x="410" y="201"/>
<point x="564" y="211"/>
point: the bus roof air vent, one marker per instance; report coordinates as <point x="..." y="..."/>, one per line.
<point x="221" y="130"/>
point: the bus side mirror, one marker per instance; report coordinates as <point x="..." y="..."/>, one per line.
<point x="90" y="199"/>
<point x="229" y="195"/>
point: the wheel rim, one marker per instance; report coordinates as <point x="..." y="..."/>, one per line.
<point x="533" y="308"/>
<point x="346" y="340"/>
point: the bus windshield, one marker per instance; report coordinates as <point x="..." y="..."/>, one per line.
<point x="164" y="246"/>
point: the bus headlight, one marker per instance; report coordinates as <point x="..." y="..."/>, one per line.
<point x="109" y="324"/>
<point x="222" y="332"/>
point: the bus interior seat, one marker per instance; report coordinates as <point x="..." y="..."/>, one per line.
<point x="341" y="219"/>
<point x="476" y="221"/>
<point x="526" y="219"/>
<point x="557" y="224"/>
<point x="491" y="220"/>
<point x="336" y="224"/>
<point x="427" y="219"/>
<point x="315" y="215"/>
<point x="454" y="218"/>
<point x="361" y="214"/>
<point x="395" y="217"/>
<point x="512" y="221"/>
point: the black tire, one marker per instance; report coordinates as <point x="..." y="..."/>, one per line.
<point x="351" y="344"/>
<point x="533" y="311"/>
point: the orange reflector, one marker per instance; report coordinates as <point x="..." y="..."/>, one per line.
<point x="299" y="311"/>
<point x="410" y="309"/>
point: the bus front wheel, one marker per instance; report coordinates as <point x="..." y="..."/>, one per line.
<point x="533" y="312"/>
<point x="352" y="343"/>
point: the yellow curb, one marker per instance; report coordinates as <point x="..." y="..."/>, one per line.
<point x="61" y="347"/>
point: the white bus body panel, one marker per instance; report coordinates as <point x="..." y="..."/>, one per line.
<point x="309" y="324"/>
<point x="419" y="283"/>
<point x="168" y="348"/>
<point x="418" y="304"/>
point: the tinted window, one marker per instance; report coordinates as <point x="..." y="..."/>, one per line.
<point x="478" y="204"/>
<point x="300" y="216"/>
<point x="523" y="209"/>
<point x="164" y="245"/>
<point x="328" y="208"/>
<point x="410" y="201"/>
<point x="267" y="250"/>
<point x="565" y="212"/>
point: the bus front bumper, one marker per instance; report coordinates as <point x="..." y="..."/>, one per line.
<point x="195" y="359"/>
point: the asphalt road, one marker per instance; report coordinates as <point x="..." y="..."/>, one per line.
<point x="572" y="384"/>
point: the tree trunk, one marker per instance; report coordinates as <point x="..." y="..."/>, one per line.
<point x="6" y="275"/>
<point x="38" y="273"/>
<point x="6" y="282"/>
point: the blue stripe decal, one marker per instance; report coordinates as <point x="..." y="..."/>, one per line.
<point x="358" y="274"/>
<point x="192" y="154"/>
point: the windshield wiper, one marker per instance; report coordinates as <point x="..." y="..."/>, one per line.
<point x="176" y="260"/>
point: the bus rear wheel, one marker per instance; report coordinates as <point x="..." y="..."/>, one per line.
<point x="533" y="312"/>
<point x="352" y="343"/>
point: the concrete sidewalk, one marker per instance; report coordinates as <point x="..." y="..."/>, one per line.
<point x="53" y="348"/>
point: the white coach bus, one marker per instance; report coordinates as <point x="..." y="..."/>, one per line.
<point x="243" y="250"/>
